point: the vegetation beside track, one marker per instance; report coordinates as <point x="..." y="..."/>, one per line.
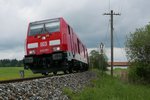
<point x="7" y="73"/>
<point x="107" y="88"/>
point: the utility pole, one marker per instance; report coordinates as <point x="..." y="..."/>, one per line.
<point x="111" y="14"/>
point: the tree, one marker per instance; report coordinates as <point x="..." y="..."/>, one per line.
<point x="97" y="60"/>
<point x="138" y="53"/>
<point x="11" y="63"/>
<point x="103" y="62"/>
<point x="94" y="56"/>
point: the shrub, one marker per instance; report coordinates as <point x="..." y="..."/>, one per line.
<point x="138" y="52"/>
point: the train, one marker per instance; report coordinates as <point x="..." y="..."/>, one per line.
<point x="51" y="46"/>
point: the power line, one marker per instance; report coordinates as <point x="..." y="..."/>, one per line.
<point x="109" y="5"/>
<point x="111" y="14"/>
<point x="106" y="37"/>
<point x="117" y="41"/>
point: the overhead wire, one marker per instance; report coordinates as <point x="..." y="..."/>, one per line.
<point x="119" y="45"/>
<point x="107" y="37"/>
<point x="109" y="5"/>
<point x="120" y="8"/>
<point x="117" y="39"/>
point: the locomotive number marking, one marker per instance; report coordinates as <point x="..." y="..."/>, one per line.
<point x="43" y="44"/>
<point x="44" y="50"/>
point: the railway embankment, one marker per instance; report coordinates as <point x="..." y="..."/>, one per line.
<point x="50" y="88"/>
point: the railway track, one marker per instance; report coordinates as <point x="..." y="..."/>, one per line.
<point x="26" y="79"/>
<point x="21" y="79"/>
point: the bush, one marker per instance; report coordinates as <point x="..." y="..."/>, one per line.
<point x="98" y="61"/>
<point x="138" y="52"/>
<point x="139" y="73"/>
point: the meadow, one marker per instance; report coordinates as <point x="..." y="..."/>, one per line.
<point x="110" y="88"/>
<point x="7" y="73"/>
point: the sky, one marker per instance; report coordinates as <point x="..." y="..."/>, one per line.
<point x="84" y="16"/>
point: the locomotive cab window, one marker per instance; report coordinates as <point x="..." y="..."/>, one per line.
<point x="36" y="29"/>
<point x="42" y="28"/>
<point x="52" y="26"/>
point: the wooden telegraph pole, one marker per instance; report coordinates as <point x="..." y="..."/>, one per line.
<point x="111" y="22"/>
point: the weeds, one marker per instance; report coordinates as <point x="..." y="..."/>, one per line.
<point x="108" y="88"/>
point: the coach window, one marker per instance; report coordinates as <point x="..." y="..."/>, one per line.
<point x="78" y="46"/>
<point x="68" y="29"/>
<point x="84" y="51"/>
<point x="71" y="31"/>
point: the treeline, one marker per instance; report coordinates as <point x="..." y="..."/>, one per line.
<point x="11" y="63"/>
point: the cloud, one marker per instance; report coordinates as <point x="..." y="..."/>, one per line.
<point x="119" y="53"/>
<point x="17" y="53"/>
<point x="84" y="16"/>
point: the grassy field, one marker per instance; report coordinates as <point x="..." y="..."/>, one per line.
<point x="108" y="88"/>
<point x="13" y="72"/>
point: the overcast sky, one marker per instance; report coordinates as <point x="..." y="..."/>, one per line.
<point x="84" y="16"/>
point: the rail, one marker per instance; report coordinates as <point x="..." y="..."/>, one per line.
<point x="26" y="79"/>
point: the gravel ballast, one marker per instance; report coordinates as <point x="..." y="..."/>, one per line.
<point x="50" y="88"/>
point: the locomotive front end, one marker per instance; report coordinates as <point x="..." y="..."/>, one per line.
<point x="43" y="45"/>
<point x="43" y="37"/>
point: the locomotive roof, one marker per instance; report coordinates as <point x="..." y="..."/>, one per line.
<point x="45" y="21"/>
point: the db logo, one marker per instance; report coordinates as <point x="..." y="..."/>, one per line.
<point x="43" y="44"/>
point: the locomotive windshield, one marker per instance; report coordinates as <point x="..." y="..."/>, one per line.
<point x="40" y="28"/>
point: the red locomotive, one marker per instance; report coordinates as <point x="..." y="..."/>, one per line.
<point x="51" y="46"/>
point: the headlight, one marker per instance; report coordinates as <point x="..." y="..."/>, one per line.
<point x="31" y="52"/>
<point x="43" y="38"/>
<point x="56" y="48"/>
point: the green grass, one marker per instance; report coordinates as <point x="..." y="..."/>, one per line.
<point x="108" y="88"/>
<point x="7" y="73"/>
<point x="118" y="71"/>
